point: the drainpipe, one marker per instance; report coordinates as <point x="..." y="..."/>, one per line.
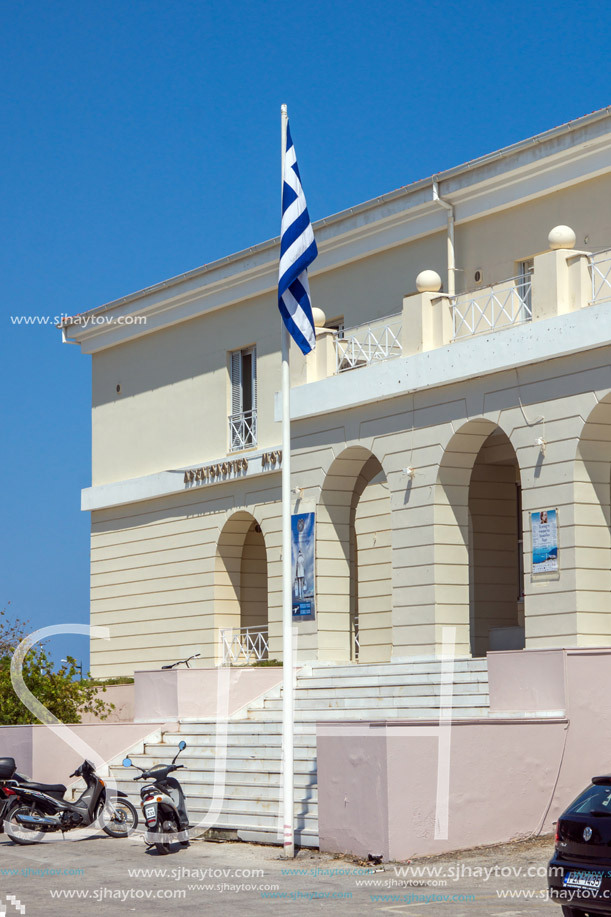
<point x="451" y="257"/>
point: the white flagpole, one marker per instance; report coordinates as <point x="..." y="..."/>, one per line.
<point x="287" y="598"/>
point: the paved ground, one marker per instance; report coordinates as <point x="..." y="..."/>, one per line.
<point x="102" y="876"/>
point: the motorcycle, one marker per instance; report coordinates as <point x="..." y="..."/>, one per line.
<point x="34" y="810"/>
<point x="163" y="804"/>
<point x="9" y="773"/>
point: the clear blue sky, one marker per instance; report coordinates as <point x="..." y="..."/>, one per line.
<point x="141" y="140"/>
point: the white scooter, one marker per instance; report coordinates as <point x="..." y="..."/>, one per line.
<point x="163" y="804"/>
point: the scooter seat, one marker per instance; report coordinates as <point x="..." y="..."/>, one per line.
<point x="51" y="788"/>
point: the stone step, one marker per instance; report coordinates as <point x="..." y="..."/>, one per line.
<point x="374" y="681"/>
<point x="386" y="703"/>
<point x="380" y="713"/>
<point x="397" y="690"/>
<point x="202" y="790"/>
<point x="303" y="765"/>
<point x="193" y="754"/>
<point x="208" y="727"/>
<point x="251" y="737"/>
<point x="245" y="817"/>
<point x="460" y="664"/>
<point x="302" y="838"/>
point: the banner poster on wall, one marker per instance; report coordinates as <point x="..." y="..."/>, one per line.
<point x="544" y="526"/>
<point x="302" y="551"/>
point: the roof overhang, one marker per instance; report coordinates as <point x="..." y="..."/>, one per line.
<point x="573" y="152"/>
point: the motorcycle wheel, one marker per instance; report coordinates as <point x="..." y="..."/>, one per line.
<point x="11" y="826"/>
<point x="118" y="817"/>
<point x="167" y="826"/>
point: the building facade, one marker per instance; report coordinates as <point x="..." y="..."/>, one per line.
<point x="434" y="431"/>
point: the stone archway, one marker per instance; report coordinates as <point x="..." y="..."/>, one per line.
<point x="591" y="540"/>
<point x="241" y="587"/>
<point x="478" y="559"/>
<point x="354" y="577"/>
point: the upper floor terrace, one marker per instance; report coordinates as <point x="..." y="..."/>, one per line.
<point x="185" y="371"/>
<point x="439" y="338"/>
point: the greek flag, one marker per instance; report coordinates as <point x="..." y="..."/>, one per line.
<point x="297" y="251"/>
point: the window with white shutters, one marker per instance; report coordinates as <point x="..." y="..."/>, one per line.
<point x="243" y="417"/>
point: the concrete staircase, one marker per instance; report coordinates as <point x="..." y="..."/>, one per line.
<point x="250" y="804"/>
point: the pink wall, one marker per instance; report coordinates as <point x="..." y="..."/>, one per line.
<point x="47" y="757"/>
<point x="167" y="695"/>
<point x="509" y="777"/>
<point x="122" y="696"/>
<point x="527" y="680"/>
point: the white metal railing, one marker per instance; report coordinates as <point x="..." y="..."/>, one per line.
<point x="244" y="644"/>
<point x="357" y="642"/>
<point x="600" y="274"/>
<point x="508" y="303"/>
<point x="365" y="344"/>
<point x="242" y="430"/>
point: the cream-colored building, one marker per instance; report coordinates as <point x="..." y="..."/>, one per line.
<point x="427" y="427"/>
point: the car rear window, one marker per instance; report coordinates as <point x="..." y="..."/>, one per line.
<point x="595" y="798"/>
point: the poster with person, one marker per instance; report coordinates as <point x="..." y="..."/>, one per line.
<point x="302" y="551"/>
<point x="544" y="525"/>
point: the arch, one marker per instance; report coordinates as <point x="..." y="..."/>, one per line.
<point x="478" y="581"/>
<point x="590" y="538"/>
<point x="240" y="576"/>
<point x="354" y="578"/>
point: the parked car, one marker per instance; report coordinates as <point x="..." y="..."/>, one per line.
<point x="579" y="873"/>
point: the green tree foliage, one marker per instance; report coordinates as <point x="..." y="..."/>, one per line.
<point x="65" y="697"/>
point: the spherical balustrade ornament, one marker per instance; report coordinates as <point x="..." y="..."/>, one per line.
<point x="561" y="237"/>
<point x="428" y="282"/>
<point x="319" y="317"/>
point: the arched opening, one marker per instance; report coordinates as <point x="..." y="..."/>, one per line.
<point x="478" y="541"/>
<point x="241" y="590"/>
<point x="592" y="532"/>
<point x="495" y="510"/>
<point x="354" y="580"/>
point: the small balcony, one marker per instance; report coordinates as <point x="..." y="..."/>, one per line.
<point x="371" y="343"/>
<point x="242" y="431"/>
<point x="244" y="645"/>
<point x="600" y="276"/>
<point x="498" y="306"/>
<point x="437" y="339"/>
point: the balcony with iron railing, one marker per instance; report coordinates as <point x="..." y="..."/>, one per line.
<point x="600" y="276"/>
<point x="554" y="282"/>
<point x="559" y="304"/>
<point x="371" y="343"/>
<point x="242" y="431"/>
<point x="244" y="645"/>
<point x="499" y="306"/>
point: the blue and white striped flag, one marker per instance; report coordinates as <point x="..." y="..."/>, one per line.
<point x="297" y="251"/>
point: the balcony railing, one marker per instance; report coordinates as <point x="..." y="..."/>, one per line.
<point x="600" y="273"/>
<point x="367" y="344"/>
<point x="242" y="431"/>
<point x="243" y="645"/>
<point x="501" y="306"/>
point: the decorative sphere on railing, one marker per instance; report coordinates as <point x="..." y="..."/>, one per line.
<point x="561" y="237"/>
<point x="319" y="317"/>
<point x="428" y="282"/>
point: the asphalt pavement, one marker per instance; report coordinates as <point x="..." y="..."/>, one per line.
<point x="105" y="876"/>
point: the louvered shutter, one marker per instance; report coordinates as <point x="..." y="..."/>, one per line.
<point x="254" y="379"/>
<point x="236" y="382"/>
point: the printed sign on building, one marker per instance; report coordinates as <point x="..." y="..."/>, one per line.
<point x="544" y="526"/>
<point x="302" y="553"/>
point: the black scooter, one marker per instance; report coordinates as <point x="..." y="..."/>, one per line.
<point x="163" y="804"/>
<point x="34" y="810"/>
